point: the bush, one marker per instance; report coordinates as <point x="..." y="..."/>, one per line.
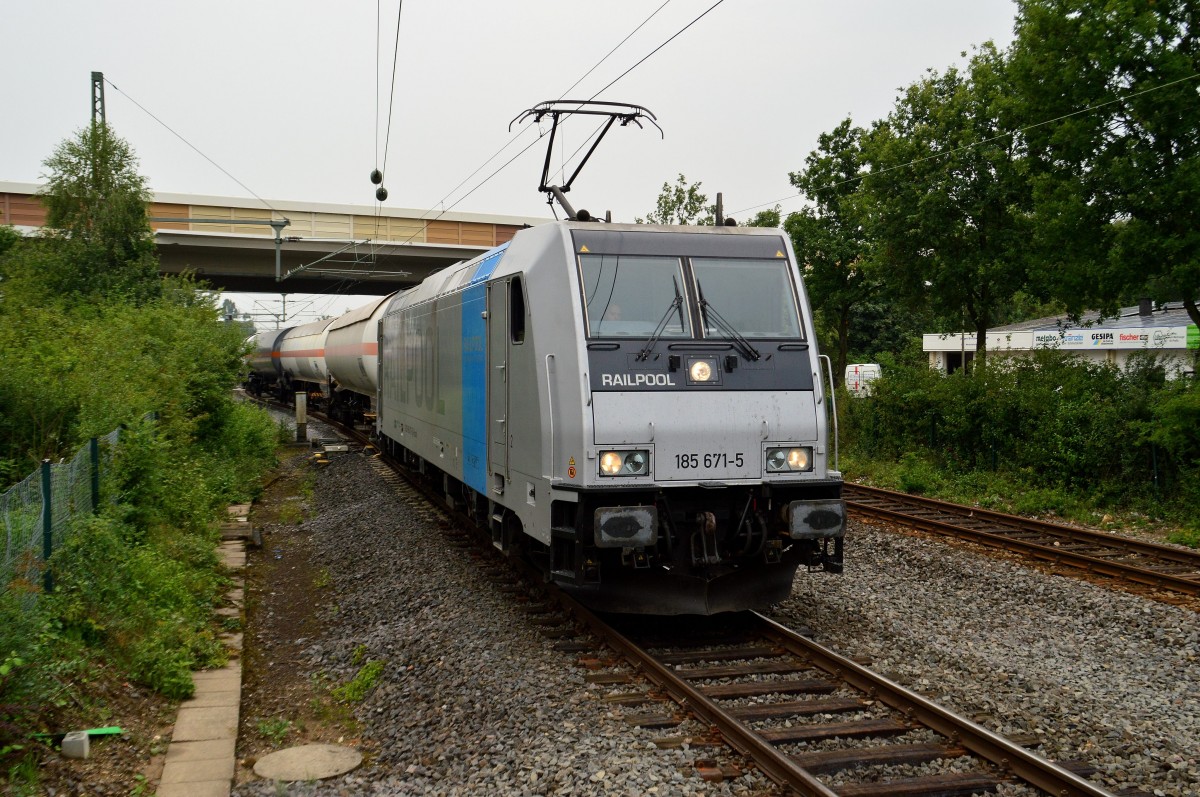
<point x="916" y="475"/>
<point x="147" y="599"/>
<point x="1077" y="431"/>
<point x="90" y="340"/>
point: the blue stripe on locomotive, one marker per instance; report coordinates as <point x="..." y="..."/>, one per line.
<point x="474" y="373"/>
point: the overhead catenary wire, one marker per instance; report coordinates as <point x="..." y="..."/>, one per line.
<point x="517" y="136"/>
<point x="341" y="288"/>
<point x="513" y="139"/>
<point x="596" y="94"/>
<point x="392" y="92"/>
<point x="377" y="26"/>
<point x="656" y="49"/>
<point x="966" y="147"/>
<point x="595" y="66"/>
<point x="194" y="148"/>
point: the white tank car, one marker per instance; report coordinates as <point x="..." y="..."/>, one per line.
<point x="640" y="410"/>
<point x="352" y="348"/>
<point x="302" y="356"/>
<point x="262" y="362"/>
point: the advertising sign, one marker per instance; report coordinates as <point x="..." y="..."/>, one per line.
<point x="1119" y="338"/>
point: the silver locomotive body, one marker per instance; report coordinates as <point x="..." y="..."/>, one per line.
<point x="638" y="409"/>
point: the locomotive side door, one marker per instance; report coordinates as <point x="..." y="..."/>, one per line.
<point x="497" y="351"/>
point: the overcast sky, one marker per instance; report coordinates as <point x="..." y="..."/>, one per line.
<point x="282" y="95"/>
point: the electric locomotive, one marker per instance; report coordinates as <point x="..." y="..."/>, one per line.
<point x="640" y="410"/>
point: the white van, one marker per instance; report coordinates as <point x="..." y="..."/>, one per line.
<point x="859" y="377"/>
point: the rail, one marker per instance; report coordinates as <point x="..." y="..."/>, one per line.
<point x="773" y="649"/>
<point x="1137" y="561"/>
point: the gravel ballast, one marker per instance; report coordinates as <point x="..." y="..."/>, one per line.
<point x="472" y="699"/>
<point x="1100" y="676"/>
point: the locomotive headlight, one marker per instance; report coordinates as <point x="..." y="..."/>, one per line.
<point x="798" y="459"/>
<point x="624" y="463"/>
<point x="611" y="463"/>
<point x="783" y="460"/>
<point x="700" y="371"/>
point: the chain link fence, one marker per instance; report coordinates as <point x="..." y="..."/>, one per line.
<point x="37" y="512"/>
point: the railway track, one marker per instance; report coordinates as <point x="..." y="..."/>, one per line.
<point x="1159" y="567"/>
<point x="815" y="722"/>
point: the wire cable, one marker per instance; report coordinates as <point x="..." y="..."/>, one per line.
<point x="512" y="140"/>
<point x="530" y="145"/>
<point x="653" y="14"/>
<point x="635" y="66"/>
<point x="966" y="147"/>
<point x="377" y="32"/>
<point x="392" y="98"/>
<point x="656" y="49"/>
<point x="195" y="148"/>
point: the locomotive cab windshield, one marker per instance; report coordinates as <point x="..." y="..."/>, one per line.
<point x="625" y="296"/>
<point x="720" y="298"/>
<point x="754" y="298"/>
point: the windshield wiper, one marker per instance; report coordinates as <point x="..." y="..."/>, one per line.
<point x="743" y="345"/>
<point x="676" y="305"/>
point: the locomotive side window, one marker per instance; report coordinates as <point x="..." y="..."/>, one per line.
<point x="630" y="296"/>
<point x="516" y="311"/>
<point x="754" y="296"/>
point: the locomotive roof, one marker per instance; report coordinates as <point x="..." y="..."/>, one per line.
<point x="674" y="240"/>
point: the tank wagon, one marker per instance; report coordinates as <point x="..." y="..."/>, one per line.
<point x="264" y="368"/>
<point x="302" y="358"/>
<point x="637" y="409"/>
<point x="352" y="361"/>
<point x="335" y="361"/>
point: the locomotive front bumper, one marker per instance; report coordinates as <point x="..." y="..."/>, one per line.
<point x="814" y="520"/>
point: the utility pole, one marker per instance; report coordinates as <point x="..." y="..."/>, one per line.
<point x="98" y="97"/>
<point x="280" y="317"/>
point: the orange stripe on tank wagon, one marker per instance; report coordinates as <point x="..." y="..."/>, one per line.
<point x="352" y="349"/>
<point x="303" y="353"/>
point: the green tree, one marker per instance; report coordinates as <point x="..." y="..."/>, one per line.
<point x="96" y="207"/>
<point x="947" y="197"/>
<point x="829" y="237"/>
<point x="680" y="204"/>
<point x="8" y="238"/>
<point x="771" y="217"/>
<point x="1117" y="174"/>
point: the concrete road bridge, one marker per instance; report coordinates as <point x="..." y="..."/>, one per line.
<point x="230" y="243"/>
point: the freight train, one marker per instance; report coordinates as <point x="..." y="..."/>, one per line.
<point x="639" y="410"/>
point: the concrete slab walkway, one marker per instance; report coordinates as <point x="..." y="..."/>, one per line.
<point x="201" y="759"/>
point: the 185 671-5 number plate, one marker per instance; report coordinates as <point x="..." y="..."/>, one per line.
<point x="709" y="460"/>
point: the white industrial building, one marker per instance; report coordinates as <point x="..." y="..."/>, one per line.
<point x="1164" y="329"/>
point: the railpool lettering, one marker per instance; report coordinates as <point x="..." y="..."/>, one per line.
<point x="636" y="380"/>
